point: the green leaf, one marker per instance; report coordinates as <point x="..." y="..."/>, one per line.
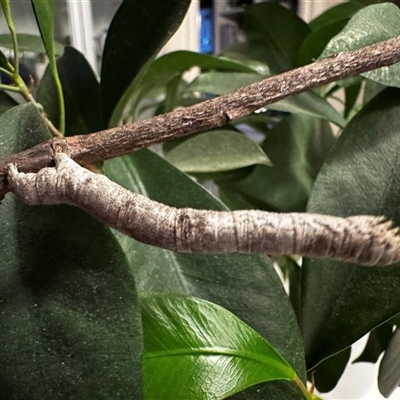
<point x="340" y="12"/>
<point x="326" y="374"/>
<point x="222" y="82"/>
<point x="352" y="93"/>
<point x="204" y="348"/>
<point x="247" y="285"/>
<point x="308" y="103"/>
<point x="6" y="102"/>
<point x="27" y="42"/>
<point x="297" y="147"/>
<point x="135" y="35"/>
<point x="166" y="68"/>
<point x="378" y="341"/>
<point x="263" y="25"/>
<point x="343" y="302"/>
<point x="317" y="40"/>
<point x="81" y="94"/>
<point x="216" y="150"/>
<point x="389" y="377"/>
<point x="324" y="27"/>
<point x="370" y="25"/>
<point x="44" y="12"/>
<point x="70" y="318"/>
<point x="4" y="62"/>
<point x="371" y="89"/>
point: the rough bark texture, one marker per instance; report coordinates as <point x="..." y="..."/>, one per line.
<point x="88" y="149"/>
<point x="363" y="240"/>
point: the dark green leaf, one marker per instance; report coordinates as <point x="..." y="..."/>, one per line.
<point x="246" y="285"/>
<point x="317" y="40"/>
<point x="326" y="374"/>
<point x="234" y="199"/>
<point x="173" y="92"/>
<point x="27" y="42"/>
<point x="389" y="376"/>
<point x="324" y="27"/>
<point x="340" y="12"/>
<point x="215" y="151"/>
<point x="294" y="276"/>
<point x="4" y="62"/>
<point x="81" y="94"/>
<point x="70" y="319"/>
<point x="135" y="35"/>
<point x="6" y="102"/>
<point x="46" y="95"/>
<point x="263" y="24"/>
<point x="297" y="147"/>
<point x="204" y="348"/>
<point x="370" y="25"/>
<point x="371" y="89"/>
<point x="378" y="341"/>
<point x="351" y="92"/>
<point x="343" y="302"/>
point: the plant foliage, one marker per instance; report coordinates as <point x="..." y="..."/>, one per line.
<point x="89" y="313"/>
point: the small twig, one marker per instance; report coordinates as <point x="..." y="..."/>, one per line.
<point x="89" y="149"/>
<point x="365" y="240"/>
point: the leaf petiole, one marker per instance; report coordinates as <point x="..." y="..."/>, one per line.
<point x="5" y="4"/>
<point x="307" y="395"/>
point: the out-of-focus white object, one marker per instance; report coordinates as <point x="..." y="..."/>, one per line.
<point x="82" y="35"/>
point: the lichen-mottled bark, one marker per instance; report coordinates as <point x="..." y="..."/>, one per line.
<point x="88" y="149"/>
<point x="363" y="240"/>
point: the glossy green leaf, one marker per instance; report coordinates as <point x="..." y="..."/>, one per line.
<point x="308" y="103"/>
<point x="81" y="94"/>
<point x="70" y="318"/>
<point x="263" y="24"/>
<point x="197" y="350"/>
<point x="216" y="150"/>
<point x="27" y="42"/>
<point x="247" y="285"/>
<point x="370" y="25"/>
<point x="297" y="147"/>
<point x="164" y="69"/>
<point x="44" y="12"/>
<point x="343" y="302"/>
<point x="135" y="35"/>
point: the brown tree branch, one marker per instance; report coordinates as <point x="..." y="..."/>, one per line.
<point x="366" y="240"/>
<point x="114" y="142"/>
